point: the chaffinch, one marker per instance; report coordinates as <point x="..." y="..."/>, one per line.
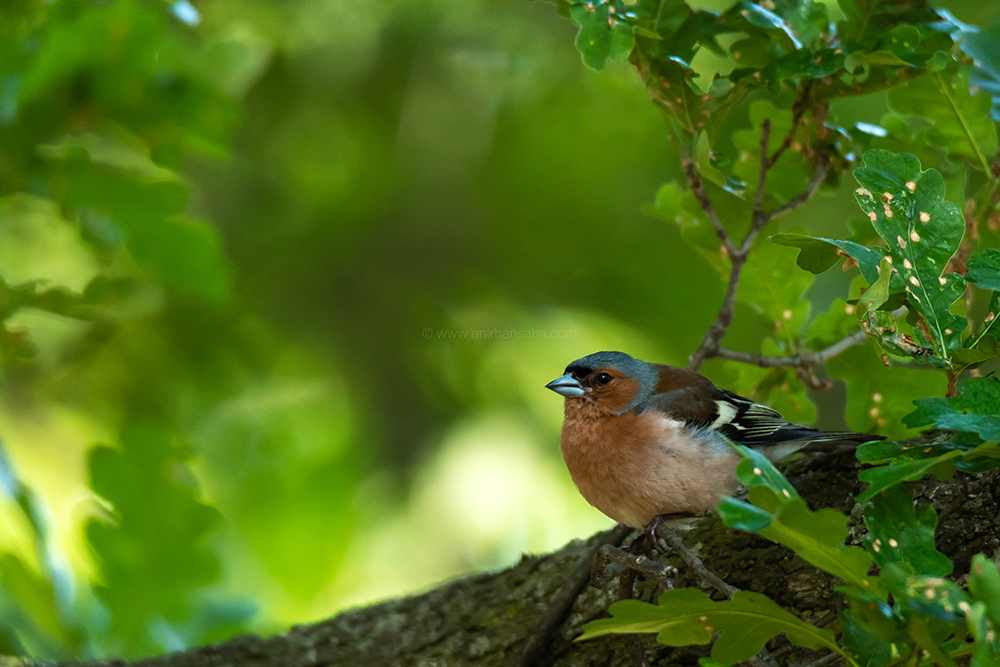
<point x="643" y="440"/>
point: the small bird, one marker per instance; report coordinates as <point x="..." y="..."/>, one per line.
<point x="645" y="440"/>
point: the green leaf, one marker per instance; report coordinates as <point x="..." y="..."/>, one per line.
<point x="976" y="409"/>
<point x="747" y="15"/>
<point x="688" y="616"/>
<point x="881" y="451"/>
<point x="668" y="15"/>
<point x="986" y="347"/>
<point x="943" y="467"/>
<point x="818" y="538"/>
<point x="185" y="254"/>
<point x="984" y="269"/>
<point x="983" y="46"/>
<point x="984" y="584"/>
<point x="776" y="512"/>
<point x="819" y="254"/>
<point x="604" y="32"/>
<point x="922" y="230"/>
<point x="832" y="326"/>
<point x="755" y="469"/>
<point x="678" y="206"/>
<point x="742" y="515"/>
<point x="152" y="556"/>
<point x="986" y="651"/>
<point x="774" y="293"/>
<point x="868" y="647"/>
<point x="708" y="170"/>
<point x="961" y="121"/>
<point x="866" y="21"/>
<point x="921" y="630"/>
<point x="936" y="597"/>
<point x="903" y="536"/>
<point x="878" y="293"/>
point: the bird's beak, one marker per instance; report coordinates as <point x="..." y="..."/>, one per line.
<point x="566" y="385"/>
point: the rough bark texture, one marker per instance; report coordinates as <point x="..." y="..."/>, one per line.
<point x="485" y="619"/>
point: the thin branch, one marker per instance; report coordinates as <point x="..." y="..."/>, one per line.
<point x="710" y="343"/>
<point x="798" y="110"/>
<point x="814" y="184"/>
<point x="698" y="188"/>
<point x="793" y="361"/>
<point x="825" y="660"/>
<point x="805" y="360"/>
<point x="709" y="346"/>
<point x="765" y="165"/>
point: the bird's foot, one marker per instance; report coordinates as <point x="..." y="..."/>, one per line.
<point x="626" y="564"/>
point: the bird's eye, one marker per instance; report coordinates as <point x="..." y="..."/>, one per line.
<point x="603" y="378"/>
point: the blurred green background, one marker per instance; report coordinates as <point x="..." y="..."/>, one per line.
<point x="282" y="283"/>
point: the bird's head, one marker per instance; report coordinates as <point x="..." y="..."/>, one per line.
<point x="607" y="382"/>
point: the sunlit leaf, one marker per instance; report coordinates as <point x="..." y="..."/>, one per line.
<point x="687" y="616"/>
<point x="152" y="556"/>
<point x="776" y="512"/>
<point x="922" y="230"/>
<point x="986" y="651"/>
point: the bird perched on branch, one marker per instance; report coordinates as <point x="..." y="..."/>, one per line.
<point x="645" y="440"/>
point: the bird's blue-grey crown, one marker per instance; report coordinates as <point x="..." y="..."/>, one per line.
<point x="645" y="374"/>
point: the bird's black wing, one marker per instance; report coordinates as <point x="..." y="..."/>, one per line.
<point x="738" y="418"/>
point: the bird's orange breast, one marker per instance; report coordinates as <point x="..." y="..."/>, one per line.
<point x="633" y="467"/>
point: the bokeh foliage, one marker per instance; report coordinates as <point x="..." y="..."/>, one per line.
<point x="281" y="284"/>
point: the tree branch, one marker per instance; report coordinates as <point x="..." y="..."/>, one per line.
<point x="560" y="606"/>
<point x="814" y="184"/>
<point x="804" y="360"/>
<point x="709" y="346"/>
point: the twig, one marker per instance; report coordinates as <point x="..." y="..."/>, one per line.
<point x="825" y="660"/>
<point x="709" y="346"/>
<point x="811" y="188"/>
<point x="805" y="359"/>
<point x="698" y="188"/>
<point x="765" y="165"/>
<point x="563" y="601"/>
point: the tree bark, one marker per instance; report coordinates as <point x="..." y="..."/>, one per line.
<point x="486" y="619"/>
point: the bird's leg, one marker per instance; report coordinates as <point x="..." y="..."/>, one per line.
<point x="649" y="532"/>
<point x="639" y="556"/>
